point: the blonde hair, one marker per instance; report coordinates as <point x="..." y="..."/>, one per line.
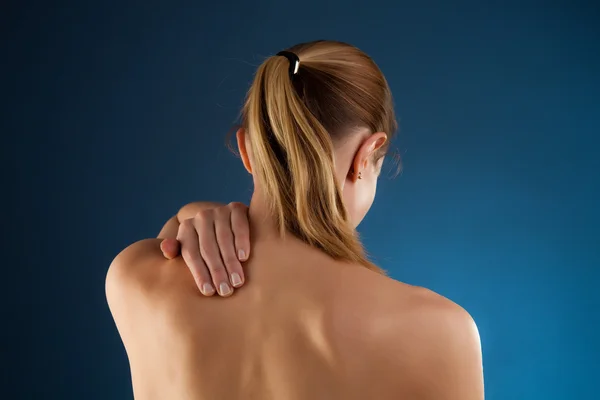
<point x="294" y="122"/>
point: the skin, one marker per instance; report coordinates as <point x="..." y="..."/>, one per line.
<point x="213" y="240"/>
<point x="304" y="326"/>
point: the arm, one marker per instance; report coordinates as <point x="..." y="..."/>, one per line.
<point x="453" y="361"/>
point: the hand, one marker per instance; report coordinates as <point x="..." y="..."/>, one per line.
<point x="213" y="244"/>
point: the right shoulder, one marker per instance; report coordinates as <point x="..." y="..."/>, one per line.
<point x="436" y="343"/>
<point x="131" y="267"/>
<point x="139" y="276"/>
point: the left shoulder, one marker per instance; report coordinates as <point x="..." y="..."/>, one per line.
<point x="442" y="318"/>
<point x="445" y="348"/>
<point x="428" y="346"/>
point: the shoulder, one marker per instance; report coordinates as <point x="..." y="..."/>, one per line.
<point x="436" y="342"/>
<point x="442" y="324"/>
<point x="139" y="277"/>
<point x="427" y="309"/>
<point x="131" y="266"/>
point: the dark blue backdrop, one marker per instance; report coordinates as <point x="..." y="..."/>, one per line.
<point x="115" y="115"/>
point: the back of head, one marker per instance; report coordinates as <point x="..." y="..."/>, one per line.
<point x="296" y="121"/>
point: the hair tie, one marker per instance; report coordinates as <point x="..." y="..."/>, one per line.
<point x="294" y="61"/>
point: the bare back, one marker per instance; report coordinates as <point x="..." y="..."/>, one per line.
<point x="303" y="327"/>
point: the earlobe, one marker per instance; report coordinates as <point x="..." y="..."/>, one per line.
<point x="356" y="171"/>
<point x="241" y="142"/>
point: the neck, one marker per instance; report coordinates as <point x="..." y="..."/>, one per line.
<point x="264" y="232"/>
<point x="263" y="223"/>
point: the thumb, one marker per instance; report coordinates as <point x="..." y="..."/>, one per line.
<point x="170" y="248"/>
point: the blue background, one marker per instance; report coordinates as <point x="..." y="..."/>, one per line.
<point x="115" y="114"/>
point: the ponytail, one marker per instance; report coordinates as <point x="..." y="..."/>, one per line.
<point x="294" y="162"/>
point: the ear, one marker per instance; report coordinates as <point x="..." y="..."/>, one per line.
<point x="365" y="153"/>
<point x="241" y="142"/>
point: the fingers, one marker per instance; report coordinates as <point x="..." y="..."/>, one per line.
<point x="190" y="252"/>
<point x="241" y="230"/>
<point x="204" y="223"/>
<point x="225" y="240"/>
<point x="213" y="244"/>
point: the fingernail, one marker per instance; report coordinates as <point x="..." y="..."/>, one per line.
<point x="236" y="280"/>
<point x="207" y="289"/>
<point x="242" y="255"/>
<point x="224" y="288"/>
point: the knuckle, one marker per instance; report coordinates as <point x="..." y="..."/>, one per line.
<point x="221" y="212"/>
<point x="204" y="215"/>
<point x="241" y="238"/>
<point x="217" y="270"/>
<point x="182" y="232"/>
<point x="185" y="225"/>
<point x="201" y="274"/>
<point x="236" y="205"/>
<point x="223" y="234"/>
<point x="218" y="277"/>
<point x="230" y="261"/>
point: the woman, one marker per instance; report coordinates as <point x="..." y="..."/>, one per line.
<point x="316" y="319"/>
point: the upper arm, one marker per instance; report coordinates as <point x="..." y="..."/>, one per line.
<point x="438" y="347"/>
<point x="140" y="290"/>
<point x="452" y="366"/>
